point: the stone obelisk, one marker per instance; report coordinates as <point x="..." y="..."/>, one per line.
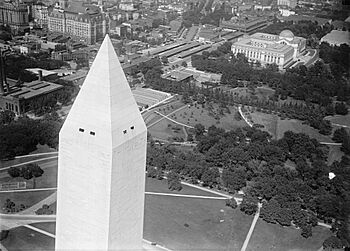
<point x="101" y="163"/>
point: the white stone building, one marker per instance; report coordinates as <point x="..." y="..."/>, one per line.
<point x="268" y="49"/>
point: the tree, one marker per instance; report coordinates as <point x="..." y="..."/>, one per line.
<point x="14" y="172"/>
<point x="231" y="203"/>
<point x="341" y="109"/>
<point x="199" y="130"/>
<point x="6" y="117"/>
<point x="339" y="135"/>
<point x="31" y="171"/>
<point x="151" y="172"/>
<point x="331" y="243"/>
<point x="234" y="179"/>
<point x="346" y="144"/>
<point x="306" y="231"/>
<point x="209" y="176"/>
<point x="325" y="127"/>
<point x="249" y="205"/>
<point x="174" y="182"/>
<point x="184" y="64"/>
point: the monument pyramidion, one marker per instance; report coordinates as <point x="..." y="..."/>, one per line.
<point x="101" y="163"/>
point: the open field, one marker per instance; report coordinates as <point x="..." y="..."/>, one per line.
<point x="24" y="239"/>
<point x="162" y="130"/>
<point x="297" y="126"/>
<point x="277" y="127"/>
<point x="340" y="119"/>
<point x="188" y="224"/>
<point x="26" y="198"/>
<point x="194" y="224"/>
<point x="196" y="114"/>
<point x="47" y="180"/>
<point x="334" y="154"/>
<point x="268" y="237"/>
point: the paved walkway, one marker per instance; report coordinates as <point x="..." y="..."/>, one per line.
<point x="29" y="190"/>
<point x="36" y="154"/>
<point x="324" y="225"/>
<point x="28" y="162"/>
<point x="251" y="229"/>
<point x="40" y="231"/>
<point x="48" y="201"/>
<point x="331" y="143"/>
<point x="244" y="117"/>
<point x="207" y="190"/>
<point x="187" y="196"/>
<point x="156" y="122"/>
<point x="174" y="121"/>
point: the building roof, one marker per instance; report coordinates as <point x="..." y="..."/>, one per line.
<point x="44" y="72"/>
<point x="287" y="34"/>
<point x="271" y="45"/>
<point x="177" y="76"/>
<point x="33" y="89"/>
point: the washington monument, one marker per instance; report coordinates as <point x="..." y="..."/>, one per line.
<point x="101" y="163"/>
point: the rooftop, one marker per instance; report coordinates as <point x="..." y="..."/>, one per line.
<point x="177" y="75"/>
<point x="44" y="72"/>
<point x="33" y="89"/>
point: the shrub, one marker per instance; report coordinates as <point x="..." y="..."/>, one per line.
<point x="231" y="203"/>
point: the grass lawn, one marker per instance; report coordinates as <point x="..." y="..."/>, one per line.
<point x="161" y="186"/>
<point x="334" y="154"/>
<point x="162" y="130"/>
<point x="274" y="237"/>
<point x="278" y="127"/>
<point x="297" y="126"/>
<point x="194" y="115"/>
<point x="340" y="119"/>
<point x="194" y="224"/>
<point x="46" y="226"/>
<point x="269" y="121"/>
<point x="169" y="107"/>
<point x="47" y="180"/>
<point x="264" y="92"/>
<point x="26" y="198"/>
<point x="25" y="239"/>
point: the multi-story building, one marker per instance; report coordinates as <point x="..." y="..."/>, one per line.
<point x="15" y="14"/>
<point x="88" y="26"/>
<point x="289" y="3"/>
<point x="268" y="49"/>
<point x="246" y="24"/>
<point x="40" y="15"/>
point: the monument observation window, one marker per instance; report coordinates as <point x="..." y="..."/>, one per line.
<point x="132" y="128"/>
<point x="124" y="131"/>
<point x="81" y="130"/>
<point x="92" y="133"/>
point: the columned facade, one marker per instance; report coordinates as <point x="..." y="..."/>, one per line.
<point x="270" y="49"/>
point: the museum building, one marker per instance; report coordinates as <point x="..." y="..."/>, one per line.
<point x="268" y="48"/>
